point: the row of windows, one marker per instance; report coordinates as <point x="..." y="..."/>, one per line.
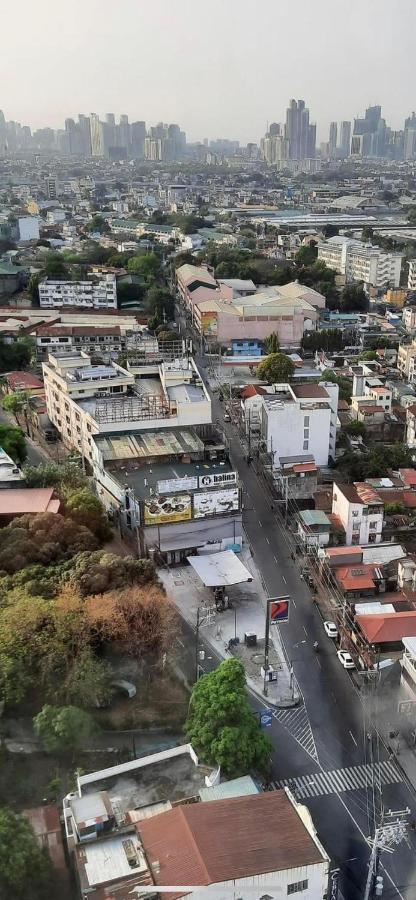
<point x="297" y="887"/>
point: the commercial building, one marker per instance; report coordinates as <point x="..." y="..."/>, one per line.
<point x="299" y="133"/>
<point x="361" y="262"/>
<point x="85" y="400"/>
<point x="300" y="421"/>
<point x="96" y="292"/>
<point x="360" y="511"/>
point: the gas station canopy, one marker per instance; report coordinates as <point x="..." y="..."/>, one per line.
<point x="220" y="569"/>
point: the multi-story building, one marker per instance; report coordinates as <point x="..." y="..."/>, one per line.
<point x="97" y="136"/>
<point x="409" y="318"/>
<point x="361" y="262"/>
<point x="345" y="139"/>
<point x="332" y="143"/>
<point x="300" y="134"/>
<point x="28" y="228"/>
<point x="98" y="292"/>
<point x="406" y="356"/>
<point x="360" y="511"/>
<point x="299" y="421"/>
<point x="411" y="278"/>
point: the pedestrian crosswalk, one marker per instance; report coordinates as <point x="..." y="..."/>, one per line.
<point x="337" y="781"/>
<point x="296" y="722"/>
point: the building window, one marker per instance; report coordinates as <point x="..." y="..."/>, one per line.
<point x="297" y="887"/>
<point x="306" y="433"/>
<point x="306" y="421"/>
<point x="306" y="445"/>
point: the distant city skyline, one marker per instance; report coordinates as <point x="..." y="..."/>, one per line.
<point x="221" y="70"/>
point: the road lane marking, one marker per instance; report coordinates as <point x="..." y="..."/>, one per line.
<point x="261" y="526"/>
<point x="284" y="579"/>
<point x="294" y="602"/>
<point x="305" y="630"/>
<point x="275" y="559"/>
<point x="267" y="539"/>
<point x="355" y="742"/>
<point x="319" y="664"/>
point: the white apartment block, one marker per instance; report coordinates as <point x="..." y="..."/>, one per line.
<point x="28" y="227"/>
<point x="94" y="293"/>
<point x="409" y="317"/>
<point x="300" y="420"/>
<point x="360" y="511"/>
<point x="361" y="262"/>
<point x="411" y="426"/>
<point x="411" y="278"/>
<point x="406" y="356"/>
<point x="84" y="400"/>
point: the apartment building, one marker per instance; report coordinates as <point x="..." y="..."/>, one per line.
<point x="84" y="399"/>
<point x="360" y="511"/>
<point x="409" y="317"/>
<point x="406" y="356"/>
<point x="97" y="292"/>
<point x="361" y="262"/>
<point x="300" y="421"/>
<point x="411" y="278"/>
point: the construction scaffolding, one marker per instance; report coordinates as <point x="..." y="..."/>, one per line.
<point x="135" y="407"/>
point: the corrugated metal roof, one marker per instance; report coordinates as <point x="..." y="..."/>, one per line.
<point x="238" y="787"/>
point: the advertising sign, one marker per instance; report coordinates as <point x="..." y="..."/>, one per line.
<point x="171" y="485"/>
<point x="278" y="610"/>
<point x="216" y="503"/>
<point x="160" y="510"/>
<point x="216" y="479"/>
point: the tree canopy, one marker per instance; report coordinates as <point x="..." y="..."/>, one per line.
<point x="17" y="355"/>
<point x="272" y="343"/>
<point x="275" y="368"/>
<point x="25" y="867"/>
<point x="221" y="725"/>
<point x="43" y="538"/>
<point x="63" y="728"/>
<point x="344" y="384"/>
<point x="100" y="571"/>
<point x="15" y="403"/>
<point x="353" y="299"/>
<point x="12" y="440"/>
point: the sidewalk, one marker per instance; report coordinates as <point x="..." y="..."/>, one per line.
<point x="247" y="614"/>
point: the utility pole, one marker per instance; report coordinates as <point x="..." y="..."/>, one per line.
<point x="387" y="836"/>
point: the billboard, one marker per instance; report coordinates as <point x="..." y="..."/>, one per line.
<point x="216" y="503"/>
<point x="172" y="485"/>
<point x="217" y="478"/>
<point x="160" y="510"/>
<point x="278" y="610"/>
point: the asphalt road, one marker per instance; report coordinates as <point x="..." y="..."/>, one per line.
<point x="35" y="454"/>
<point x="334" y="708"/>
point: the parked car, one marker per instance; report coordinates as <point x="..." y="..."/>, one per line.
<point x="125" y="687"/>
<point x="331" y="630"/>
<point x="346" y="659"/>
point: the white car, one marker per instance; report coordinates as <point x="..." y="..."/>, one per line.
<point x="346" y="659"/>
<point x="331" y="630"/>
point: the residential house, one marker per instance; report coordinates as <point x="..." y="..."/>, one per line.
<point x="299" y="420"/>
<point x="360" y="510"/>
<point x="314" y="527"/>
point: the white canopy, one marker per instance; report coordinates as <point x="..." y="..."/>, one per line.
<point x="218" y="569"/>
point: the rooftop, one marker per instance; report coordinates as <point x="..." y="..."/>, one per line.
<point x="20" y="501"/>
<point x="388" y="628"/>
<point x="207" y="843"/>
<point x="309" y="391"/>
<point x="144" y="444"/>
<point x="170" y="477"/>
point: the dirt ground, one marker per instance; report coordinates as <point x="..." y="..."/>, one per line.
<point x="159" y="702"/>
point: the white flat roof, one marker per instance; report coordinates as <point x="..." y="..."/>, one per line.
<point x="221" y="568"/>
<point x="409" y="644"/>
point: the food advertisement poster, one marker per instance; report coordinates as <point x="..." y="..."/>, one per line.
<point x="216" y="503"/>
<point x="159" y="510"/>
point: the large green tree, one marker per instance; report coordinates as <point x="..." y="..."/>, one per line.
<point x="275" y="368"/>
<point x="25" y="868"/>
<point x="100" y="571"/>
<point x="353" y="299"/>
<point x="15" y="403"/>
<point x="147" y="264"/>
<point x="63" y="728"/>
<point x="221" y="725"/>
<point x="86" y="509"/>
<point x="12" y="440"/>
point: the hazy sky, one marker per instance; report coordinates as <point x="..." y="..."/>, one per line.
<point x="220" y="68"/>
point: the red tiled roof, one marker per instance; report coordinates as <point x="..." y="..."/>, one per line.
<point x="358" y="577"/>
<point x="391" y="627"/>
<point x="310" y="391"/>
<point x="407" y="497"/>
<point x="408" y="476"/>
<point x="304" y="467"/>
<point x="23" y="380"/>
<point x="207" y="843"/>
<point x="412" y="409"/>
<point x="251" y="390"/>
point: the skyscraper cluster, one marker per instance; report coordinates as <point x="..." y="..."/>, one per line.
<point x="90" y="136"/>
<point x="371" y="137"/>
<point x="295" y="140"/>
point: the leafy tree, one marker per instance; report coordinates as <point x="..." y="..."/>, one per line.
<point x="394" y="509"/>
<point x="160" y="303"/>
<point x="86" y="509"/>
<point x="44" y="538"/>
<point x="368" y="355"/>
<point x="99" y="571"/>
<point x="330" y="230"/>
<point x="367" y="233"/>
<point x="166" y="336"/>
<point x="17" y="355"/>
<point x="97" y="223"/>
<point x="306" y="255"/>
<point x="328" y="339"/>
<point x="353" y="299"/>
<point x="63" y="728"/>
<point x="25" y="867"/>
<point x="15" y="403"/>
<point x="344" y="384"/>
<point x="54" y="265"/>
<point x="139" y="619"/>
<point x="277" y="367"/>
<point x="411" y="216"/>
<point x="33" y="288"/>
<point x="374" y="464"/>
<point x="221" y="726"/>
<point x="355" y="428"/>
<point x="272" y="343"/>
<point x="88" y="681"/>
<point x="147" y="264"/>
<point x="65" y="477"/>
<point x="12" y="440"/>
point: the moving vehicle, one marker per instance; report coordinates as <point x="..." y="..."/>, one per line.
<point x="331" y="630"/>
<point x="346" y="659"/>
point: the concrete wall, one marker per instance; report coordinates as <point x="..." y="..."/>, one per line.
<point x="286" y="428"/>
